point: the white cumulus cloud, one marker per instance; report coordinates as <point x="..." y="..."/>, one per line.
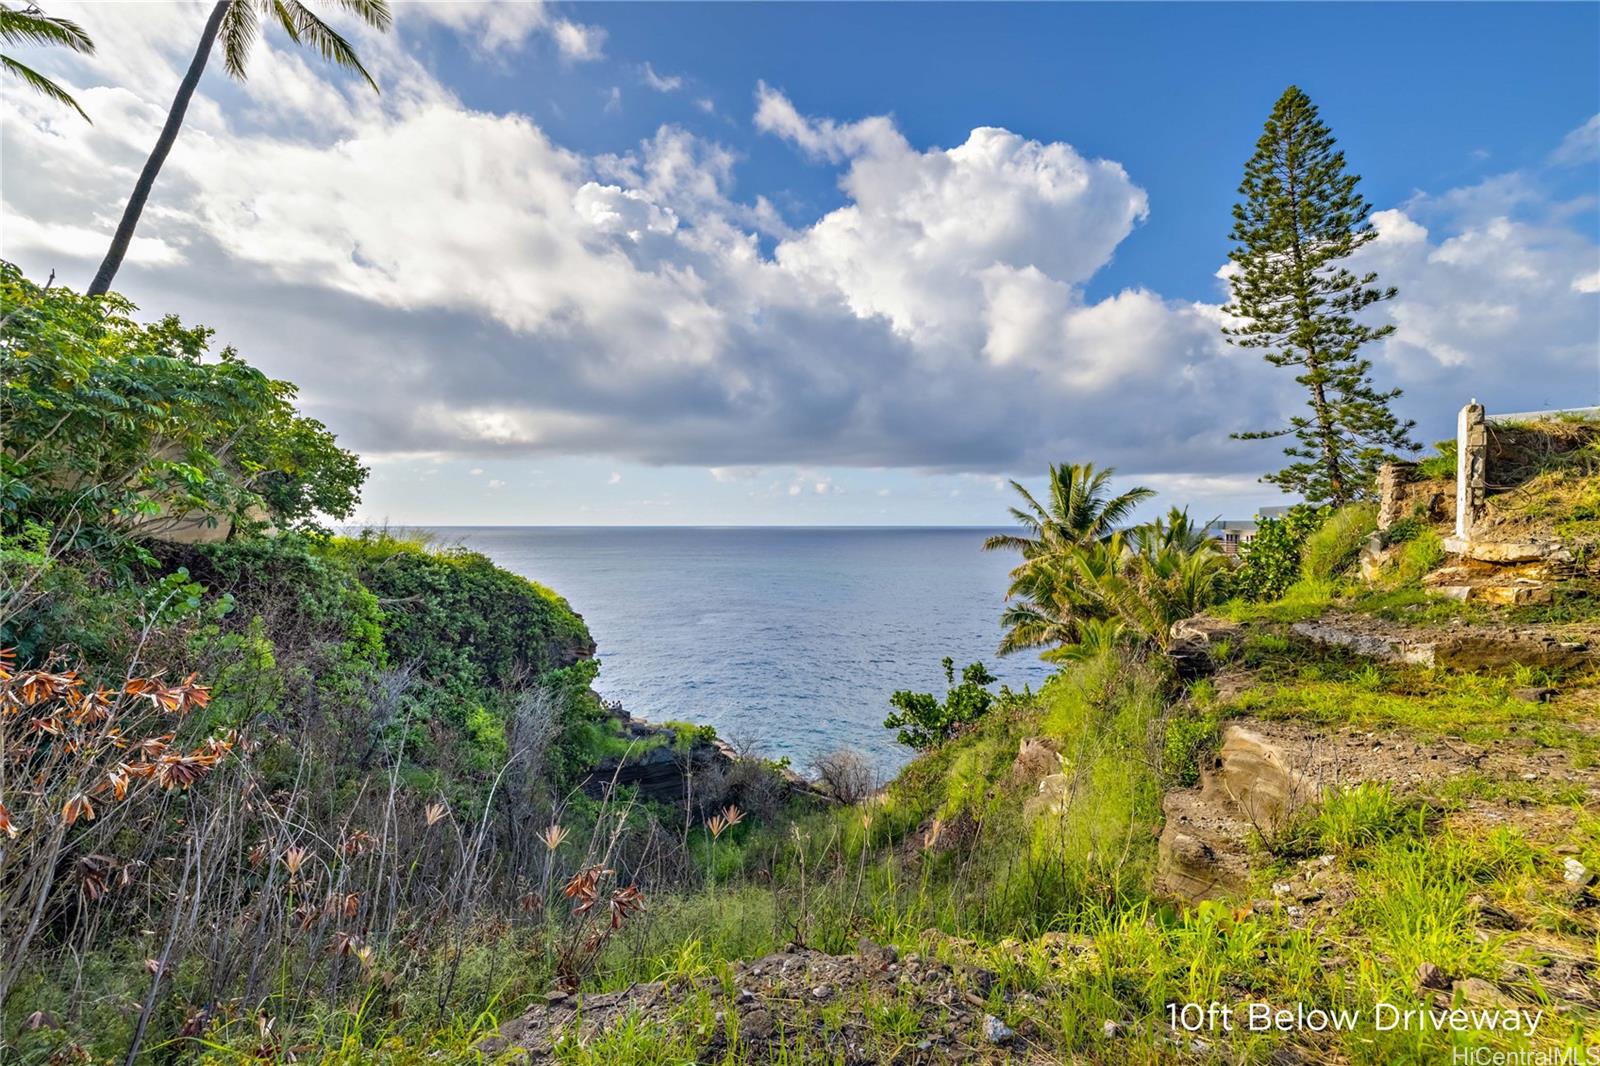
<point x="453" y="282"/>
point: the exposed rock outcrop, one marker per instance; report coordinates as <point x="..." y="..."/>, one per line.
<point x="675" y="764"/>
<point x="1461" y="647"/>
<point x="662" y="763"/>
<point x="1196" y="640"/>
<point x="1267" y="771"/>
<point x="1255" y="785"/>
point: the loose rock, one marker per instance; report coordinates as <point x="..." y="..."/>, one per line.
<point x="996" y="1031"/>
<point x="755" y="1024"/>
<point x="1430" y="976"/>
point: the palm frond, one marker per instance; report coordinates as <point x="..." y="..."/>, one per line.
<point x="43" y="85"/>
<point x="1006" y="542"/>
<point x="285" y="19"/>
<point x="33" y="27"/>
<point x="239" y="28"/>
<point x="311" y="30"/>
<point x="374" y="13"/>
<point x="1115" y="511"/>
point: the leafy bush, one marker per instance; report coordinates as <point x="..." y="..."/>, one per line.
<point x="1332" y="547"/>
<point x="453" y="612"/>
<point x="1402" y="530"/>
<point x="1270" y="562"/>
<point x="1186" y="738"/>
<point x="323" y="627"/>
<point x="926" y="723"/>
<point x="114" y="428"/>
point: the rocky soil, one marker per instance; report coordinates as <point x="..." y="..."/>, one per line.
<point x="1459" y="646"/>
<point x="835" y="1004"/>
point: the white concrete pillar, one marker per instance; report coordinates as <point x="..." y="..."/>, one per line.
<point x="1472" y="457"/>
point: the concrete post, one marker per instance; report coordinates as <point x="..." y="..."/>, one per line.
<point x="1472" y="475"/>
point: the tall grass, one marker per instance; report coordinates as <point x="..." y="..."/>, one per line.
<point x="1332" y="548"/>
<point x="196" y="876"/>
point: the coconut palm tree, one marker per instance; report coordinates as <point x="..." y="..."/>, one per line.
<point x="1079" y="512"/>
<point x="1049" y="598"/>
<point x="1162" y="578"/>
<point x="237" y="22"/>
<point x="29" y="25"/>
<point x="1176" y="530"/>
<point x="1054" y="595"/>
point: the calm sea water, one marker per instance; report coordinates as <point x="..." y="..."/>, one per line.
<point x="794" y="637"/>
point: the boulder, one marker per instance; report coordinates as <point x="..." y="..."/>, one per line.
<point x="1037" y="757"/>
<point x="1375" y="557"/>
<point x="1256" y="775"/>
<point x="1206" y="629"/>
<point x="1204" y="849"/>
<point x="1051" y="798"/>
<point x="1205" y="846"/>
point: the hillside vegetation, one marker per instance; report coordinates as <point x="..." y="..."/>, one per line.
<point x="1003" y="900"/>
<point x="296" y="796"/>
<point x="242" y="782"/>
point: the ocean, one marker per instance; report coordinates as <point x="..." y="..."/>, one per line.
<point x="793" y="638"/>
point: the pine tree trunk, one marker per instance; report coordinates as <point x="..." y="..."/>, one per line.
<point x="1319" y="396"/>
<point x="152" y="166"/>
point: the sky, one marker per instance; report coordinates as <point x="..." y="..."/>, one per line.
<point x="819" y="264"/>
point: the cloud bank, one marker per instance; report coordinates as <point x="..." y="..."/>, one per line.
<point x="452" y="282"/>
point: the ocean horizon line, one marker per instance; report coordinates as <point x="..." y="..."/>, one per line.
<point x="400" y="526"/>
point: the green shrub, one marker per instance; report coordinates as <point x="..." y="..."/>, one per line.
<point x="46" y="603"/>
<point x="1331" y="549"/>
<point x="113" y="425"/>
<point x="1270" y="562"/>
<point x="924" y="722"/>
<point x="323" y="626"/>
<point x="1186" y="739"/>
<point x="1403" y="530"/>
<point x="453" y="612"/>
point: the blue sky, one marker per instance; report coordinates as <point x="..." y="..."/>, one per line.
<point x="1421" y="96"/>
<point x="737" y="263"/>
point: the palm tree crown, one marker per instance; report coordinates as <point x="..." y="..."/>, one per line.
<point x="1079" y="511"/>
<point x="237" y="22"/>
<point x="30" y="26"/>
<point x="242" y="20"/>
<point x="1084" y="584"/>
